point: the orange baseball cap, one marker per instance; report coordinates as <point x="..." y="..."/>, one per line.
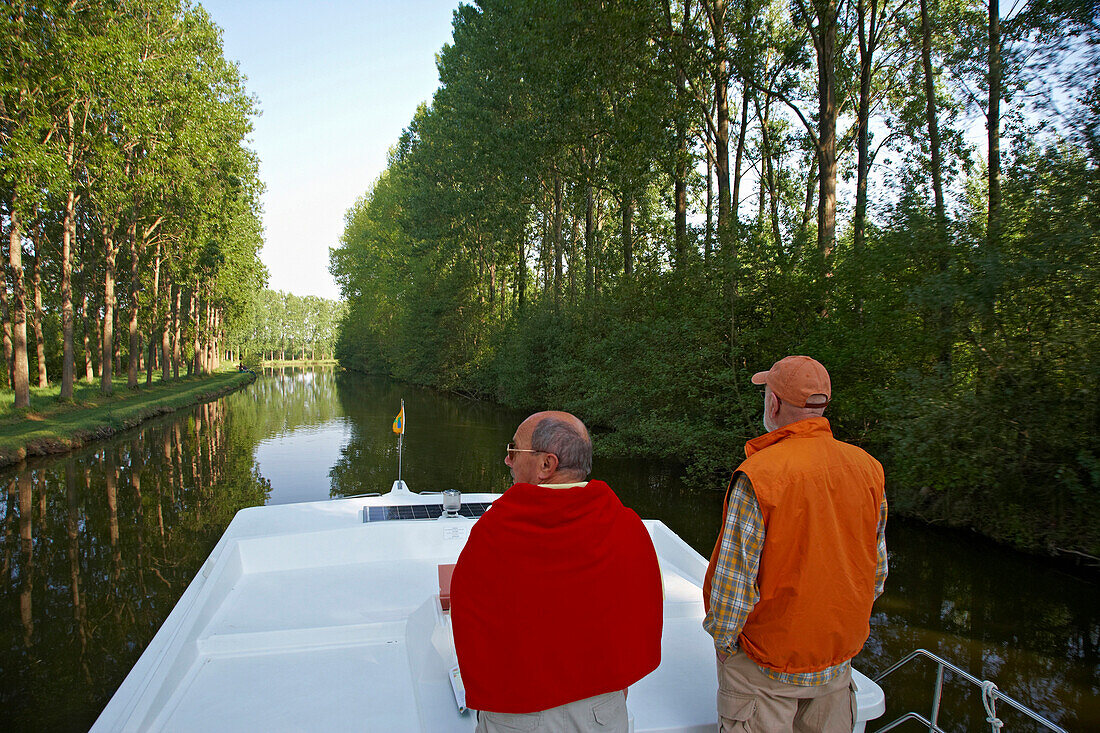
<point x="795" y="379"/>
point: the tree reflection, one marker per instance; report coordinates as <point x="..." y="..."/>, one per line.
<point x="1031" y="628"/>
<point x="97" y="548"/>
<point x="450" y="442"/>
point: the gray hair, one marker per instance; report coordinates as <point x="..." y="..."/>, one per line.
<point x="573" y="449"/>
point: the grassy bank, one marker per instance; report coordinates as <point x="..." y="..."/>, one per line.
<point x="50" y="425"/>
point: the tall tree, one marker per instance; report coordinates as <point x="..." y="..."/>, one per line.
<point x="716" y="15"/>
<point x="20" y="371"/>
<point x="873" y="22"/>
<point x="932" y="121"/>
<point x="822" y="21"/>
<point x="993" y="122"/>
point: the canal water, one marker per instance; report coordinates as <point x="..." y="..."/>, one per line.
<point x="97" y="546"/>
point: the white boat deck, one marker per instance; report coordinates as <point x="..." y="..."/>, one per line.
<point x="305" y="617"/>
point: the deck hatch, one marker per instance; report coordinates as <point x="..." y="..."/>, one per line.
<point x="472" y="510"/>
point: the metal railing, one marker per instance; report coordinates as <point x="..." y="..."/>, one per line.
<point x="990" y="697"/>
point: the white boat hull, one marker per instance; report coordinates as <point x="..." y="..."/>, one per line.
<point x="305" y="617"/>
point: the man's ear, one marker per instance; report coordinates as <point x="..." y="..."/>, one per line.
<point x="548" y="466"/>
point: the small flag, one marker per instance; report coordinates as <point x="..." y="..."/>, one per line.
<point x="399" y="421"/>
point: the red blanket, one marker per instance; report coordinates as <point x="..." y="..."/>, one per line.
<point x="556" y="597"/>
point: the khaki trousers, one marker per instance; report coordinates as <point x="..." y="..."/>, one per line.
<point x="603" y="713"/>
<point x="749" y="701"/>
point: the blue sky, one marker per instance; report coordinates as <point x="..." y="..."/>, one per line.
<point x="336" y="81"/>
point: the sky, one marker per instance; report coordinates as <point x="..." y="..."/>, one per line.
<point x="337" y="81"/>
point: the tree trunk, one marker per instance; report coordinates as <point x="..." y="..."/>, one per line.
<point x="216" y="339"/>
<point x="808" y="205"/>
<point x="993" y="122"/>
<point x="680" y="194"/>
<point x="739" y="155"/>
<point x="151" y="358"/>
<point x="574" y="237"/>
<point x="106" y="361"/>
<point x="628" y="233"/>
<point x="932" y="120"/>
<point x="521" y="273"/>
<point x="769" y="169"/>
<point x="597" y="264"/>
<point x="5" y="311"/>
<point x="89" y="375"/>
<point x="135" y="287"/>
<point x="68" y="233"/>
<point x="40" y="345"/>
<point x="177" y="354"/>
<point x="544" y="252"/>
<point x="196" y="354"/>
<point x="863" y="113"/>
<point x="20" y="372"/>
<point x="165" y="340"/>
<point x="99" y="350"/>
<point x="722" y="136"/>
<point x="825" y="44"/>
<point x="940" y="248"/>
<point x="589" y="242"/>
<point x="208" y="350"/>
<point x="708" y="240"/>
<point x="555" y="234"/>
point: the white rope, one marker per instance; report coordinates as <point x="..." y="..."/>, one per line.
<point x="990" y="702"/>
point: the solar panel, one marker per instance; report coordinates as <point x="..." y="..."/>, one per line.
<point x="472" y="510"/>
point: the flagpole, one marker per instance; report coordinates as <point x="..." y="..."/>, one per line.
<point x="400" y="441"/>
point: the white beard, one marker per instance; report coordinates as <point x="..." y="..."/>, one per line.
<point x="768" y="424"/>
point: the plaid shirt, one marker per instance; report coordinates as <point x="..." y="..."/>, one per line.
<point x="734" y="591"/>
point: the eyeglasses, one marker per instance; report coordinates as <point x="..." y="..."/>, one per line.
<point x="511" y="448"/>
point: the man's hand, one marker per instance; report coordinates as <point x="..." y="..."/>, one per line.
<point x="723" y="656"/>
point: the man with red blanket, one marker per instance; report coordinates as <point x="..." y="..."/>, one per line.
<point x="556" y="599"/>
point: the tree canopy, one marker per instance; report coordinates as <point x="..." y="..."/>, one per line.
<point x="288" y="326"/>
<point x="624" y="209"/>
<point x="128" y="195"/>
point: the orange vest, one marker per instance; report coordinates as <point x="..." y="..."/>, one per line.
<point x="820" y="500"/>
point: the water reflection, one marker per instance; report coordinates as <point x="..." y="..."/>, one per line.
<point x="98" y="545"/>
<point x="450" y="442"/>
<point x="301" y="428"/>
<point x="1029" y="626"/>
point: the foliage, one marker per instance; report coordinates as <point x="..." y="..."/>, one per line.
<point x="125" y="178"/>
<point x="524" y="244"/>
<point x="292" y="326"/>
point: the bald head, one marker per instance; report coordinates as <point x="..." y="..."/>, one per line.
<point x="563" y="449"/>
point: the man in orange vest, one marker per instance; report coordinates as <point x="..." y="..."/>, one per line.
<point x="799" y="561"/>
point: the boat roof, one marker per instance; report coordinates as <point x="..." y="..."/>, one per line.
<point x="308" y="616"/>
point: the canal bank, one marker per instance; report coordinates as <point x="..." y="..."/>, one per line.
<point x="56" y="427"/>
